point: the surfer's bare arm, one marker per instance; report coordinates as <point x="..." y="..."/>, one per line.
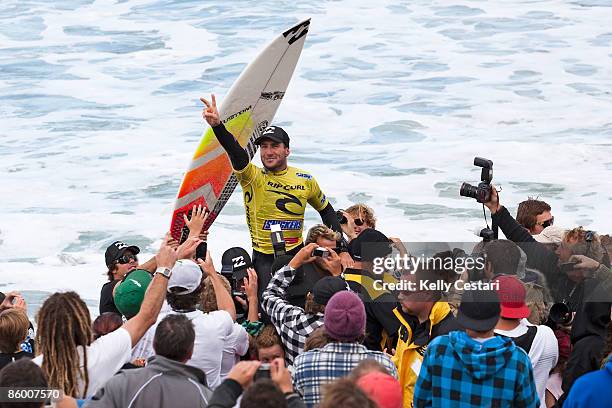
<point x="238" y="156"/>
<point x="223" y="297"/>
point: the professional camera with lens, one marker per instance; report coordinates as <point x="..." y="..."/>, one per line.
<point x="561" y="314"/>
<point x="482" y="192"/>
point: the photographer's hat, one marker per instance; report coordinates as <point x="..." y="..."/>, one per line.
<point x="236" y="261"/>
<point x="116" y="251"/>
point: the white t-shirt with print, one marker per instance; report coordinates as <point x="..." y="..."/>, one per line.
<point x="211" y="332"/>
<point x="105" y="357"/>
<point x="236" y="345"/>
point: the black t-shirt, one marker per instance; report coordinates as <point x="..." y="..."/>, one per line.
<point x="107" y="303"/>
<point x="7" y="358"/>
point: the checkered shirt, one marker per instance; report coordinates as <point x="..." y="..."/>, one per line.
<point x="458" y="371"/>
<point x="291" y="322"/>
<point x="317" y="367"/>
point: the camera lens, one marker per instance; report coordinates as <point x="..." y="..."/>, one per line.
<point x="468" y="190"/>
<point x="560" y="313"/>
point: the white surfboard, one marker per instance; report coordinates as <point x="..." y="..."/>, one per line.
<point x="246" y="111"/>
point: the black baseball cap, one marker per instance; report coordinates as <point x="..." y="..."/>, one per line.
<point x="327" y="287"/>
<point x="116" y="251"/>
<point x="479" y="310"/>
<point x="275" y="133"/>
<point x="369" y="244"/>
<point x="236" y="261"/>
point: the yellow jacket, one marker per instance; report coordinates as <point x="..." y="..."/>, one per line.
<point x="408" y="355"/>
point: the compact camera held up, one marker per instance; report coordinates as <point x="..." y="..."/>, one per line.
<point x="482" y="192"/>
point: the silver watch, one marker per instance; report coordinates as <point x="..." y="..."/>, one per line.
<point x="165" y="272"/>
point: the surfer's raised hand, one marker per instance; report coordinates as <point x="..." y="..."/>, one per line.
<point x="211" y="113"/>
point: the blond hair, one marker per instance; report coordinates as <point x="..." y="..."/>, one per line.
<point x="319" y="231"/>
<point x="580" y="246"/>
<point x="363" y="211"/>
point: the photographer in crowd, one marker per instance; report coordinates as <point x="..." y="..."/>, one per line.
<point x="293" y="323"/>
<point x="257" y="393"/>
<point x="325" y="263"/>
<point x="534" y="215"/>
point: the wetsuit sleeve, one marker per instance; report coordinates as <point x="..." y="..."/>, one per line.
<point x="329" y="218"/>
<point x="238" y="156"/>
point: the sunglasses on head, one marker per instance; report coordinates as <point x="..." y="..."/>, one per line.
<point x="127" y="258"/>
<point x="547" y="223"/>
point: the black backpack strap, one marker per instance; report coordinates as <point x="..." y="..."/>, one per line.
<point x="526" y="340"/>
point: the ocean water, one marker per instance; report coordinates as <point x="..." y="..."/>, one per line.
<point x="390" y="102"/>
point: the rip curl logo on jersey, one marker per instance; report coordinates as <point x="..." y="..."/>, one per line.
<point x="304" y="175"/>
<point x="293" y="225"/>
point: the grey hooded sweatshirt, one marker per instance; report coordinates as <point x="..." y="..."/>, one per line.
<point x="162" y="383"/>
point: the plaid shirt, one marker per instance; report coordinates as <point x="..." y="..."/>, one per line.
<point x="291" y="322"/>
<point x="458" y="371"/>
<point x="317" y="367"/>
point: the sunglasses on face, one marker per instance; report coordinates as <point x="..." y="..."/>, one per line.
<point x="547" y="223"/>
<point x="125" y="259"/>
<point x="359" y="222"/>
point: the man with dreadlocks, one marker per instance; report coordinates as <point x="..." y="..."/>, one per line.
<point x="72" y="361"/>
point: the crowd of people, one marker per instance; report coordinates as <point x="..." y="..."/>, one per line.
<point x="309" y="323"/>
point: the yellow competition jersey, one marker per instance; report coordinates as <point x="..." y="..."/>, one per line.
<point x="277" y="198"/>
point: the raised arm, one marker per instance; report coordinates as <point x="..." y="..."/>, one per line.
<point x="223" y="297"/>
<point x="238" y="156"/>
<point x="155" y="295"/>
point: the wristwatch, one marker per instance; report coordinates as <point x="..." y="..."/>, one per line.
<point x="165" y="272"/>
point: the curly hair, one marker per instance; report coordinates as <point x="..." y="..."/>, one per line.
<point x="577" y="238"/>
<point x="318" y="231"/>
<point x="208" y="299"/>
<point x="64" y="324"/>
<point x="268" y="337"/>
<point x="363" y="211"/>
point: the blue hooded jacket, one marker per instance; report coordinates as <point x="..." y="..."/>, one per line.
<point x="460" y="371"/>
<point x="592" y="390"/>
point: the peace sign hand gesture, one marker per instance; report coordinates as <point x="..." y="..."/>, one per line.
<point x="211" y="113"/>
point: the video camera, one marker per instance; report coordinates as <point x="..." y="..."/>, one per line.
<point x="482" y="192"/>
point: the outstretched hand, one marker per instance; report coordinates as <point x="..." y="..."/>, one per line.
<point x="211" y="113"/>
<point x="199" y="214"/>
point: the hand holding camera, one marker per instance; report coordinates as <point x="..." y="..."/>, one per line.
<point x="243" y="372"/>
<point x="304" y="256"/>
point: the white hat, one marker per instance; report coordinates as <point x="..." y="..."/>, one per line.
<point x="550" y="235"/>
<point x="185" y="274"/>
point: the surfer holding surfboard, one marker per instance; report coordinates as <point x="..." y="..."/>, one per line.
<point x="276" y="194"/>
